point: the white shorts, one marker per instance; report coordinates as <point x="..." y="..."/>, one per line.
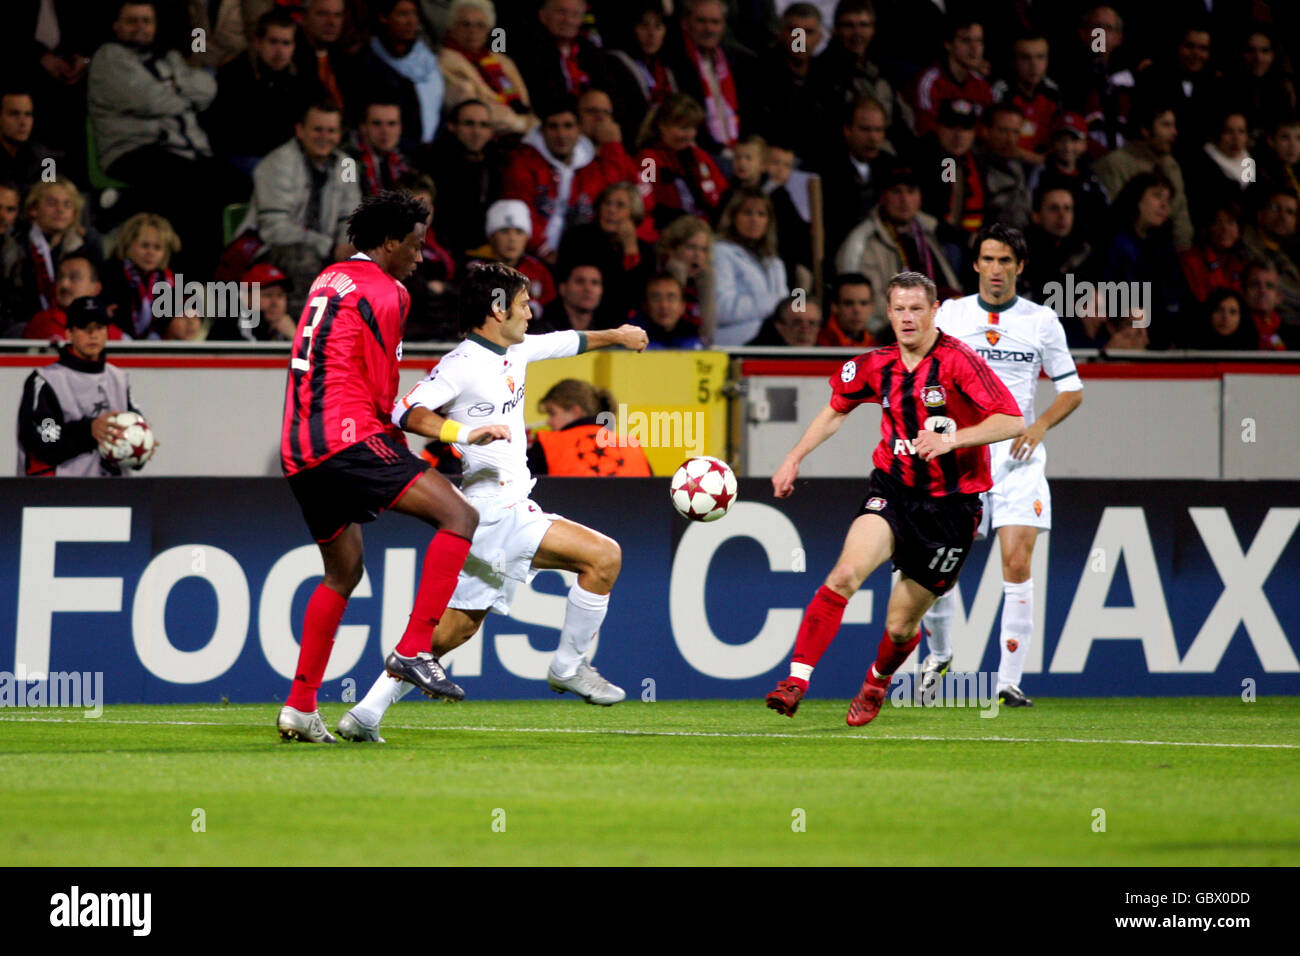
<point x="501" y="554"/>
<point x="1019" y="495"/>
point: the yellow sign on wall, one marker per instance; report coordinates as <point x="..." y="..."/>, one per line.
<point x="671" y="402"/>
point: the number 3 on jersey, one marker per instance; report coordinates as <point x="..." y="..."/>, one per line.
<point x="949" y="562"/>
<point x="319" y="303"/>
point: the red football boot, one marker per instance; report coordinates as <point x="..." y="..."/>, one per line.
<point x="785" y="699"/>
<point x="864" y="707"/>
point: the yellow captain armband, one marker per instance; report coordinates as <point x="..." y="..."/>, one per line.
<point x="454" y="432"/>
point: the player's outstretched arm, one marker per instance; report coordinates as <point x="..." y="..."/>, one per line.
<point x="421" y="421"/>
<point x="826" y="424"/>
<point x="631" y="337"/>
<point x="995" y="428"/>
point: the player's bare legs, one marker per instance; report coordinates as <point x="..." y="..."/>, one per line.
<point x="433" y="499"/>
<point x="344" y="561"/>
<point x="867" y="546"/>
<point x="597" y="559"/>
<point x="361" y="723"/>
<point x="907" y="605"/>
<point x="1017" y="610"/>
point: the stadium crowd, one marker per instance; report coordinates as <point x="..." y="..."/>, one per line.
<point x="720" y="173"/>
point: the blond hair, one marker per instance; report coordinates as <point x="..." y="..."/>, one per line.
<point x="677" y="109"/>
<point x="137" y="224"/>
<point x="681" y="231"/>
<point x="41" y="189"/>
<point x="636" y="204"/>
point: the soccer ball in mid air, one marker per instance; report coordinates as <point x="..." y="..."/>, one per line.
<point x="704" y="488"/>
<point x="135" y="447"/>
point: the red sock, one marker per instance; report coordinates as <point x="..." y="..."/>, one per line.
<point x="442" y="563"/>
<point x="324" y="611"/>
<point x="889" y="656"/>
<point x="820" y="624"/>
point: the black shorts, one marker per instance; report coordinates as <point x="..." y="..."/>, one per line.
<point x="932" y="536"/>
<point x="355" y="484"/>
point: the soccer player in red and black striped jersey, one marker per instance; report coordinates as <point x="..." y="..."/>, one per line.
<point x="942" y="405"/>
<point x="346" y="462"/>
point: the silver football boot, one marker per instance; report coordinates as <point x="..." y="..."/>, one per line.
<point x="307" y="728"/>
<point x="351" y="728"/>
<point x="587" y="684"/>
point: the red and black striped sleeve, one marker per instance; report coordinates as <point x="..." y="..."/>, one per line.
<point x="857" y="382"/>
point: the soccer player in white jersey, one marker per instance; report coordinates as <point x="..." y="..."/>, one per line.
<point x="474" y="398"/>
<point x="1016" y="338"/>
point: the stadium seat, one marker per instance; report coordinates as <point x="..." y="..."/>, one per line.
<point x="98" y="178"/>
<point x="231" y="217"/>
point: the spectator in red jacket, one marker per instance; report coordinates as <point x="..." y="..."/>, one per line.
<point x="1032" y="92"/>
<point x="559" y="174"/>
<point x="685" y="179"/>
<point x="956" y="76"/>
<point x="1218" y="261"/>
<point x="508" y="227"/>
<point x="78" y="276"/>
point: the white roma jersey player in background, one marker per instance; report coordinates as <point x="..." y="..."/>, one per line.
<point x="1017" y="338"/>
<point x="475" y="398"/>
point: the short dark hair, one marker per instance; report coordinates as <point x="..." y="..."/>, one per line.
<point x="323" y="105"/>
<point x="390" y="214"/>
<point x="556" y="105"/>
<point x="663" y="277"/>
<point x="117" y="7"/>
<point x="380" y="101"/>
<point x="453" y="115"/>
<point x="846" y="279"/>
<point x="88" y="257"/>
<point x="1006" y="106"/>
<point x="1257" y="265"/>
<point x="1007" y="235"/>
<point x="958" y="21"/>
<point x="566" y="269"/>
<point x="11" y="185"/>
<point x="482" y="289"/>
<point x="1124" y="209"/>
<point x="1144" y="115"/>
<point x="278" y="17"/>
<point x="913" y="280"/>
<point x="1051" y="185"/>
<point x="801" y="10"/>
<point x="846" y="7"/>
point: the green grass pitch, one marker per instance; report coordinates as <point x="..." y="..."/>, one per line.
<point x="1212" y="783"/>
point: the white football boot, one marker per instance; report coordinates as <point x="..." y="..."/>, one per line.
<point x="587" y="684"/>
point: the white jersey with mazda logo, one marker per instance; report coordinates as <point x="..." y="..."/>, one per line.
<point x="481" y="383"/>
<point x="1017" y="342"/>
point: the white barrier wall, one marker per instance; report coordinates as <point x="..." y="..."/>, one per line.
<point x="226" y="422"/>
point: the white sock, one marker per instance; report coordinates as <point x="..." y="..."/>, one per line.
<point x="385" y="692"/>
<point x="801" y="670"/>
<point x="1017" y="630"/>
<point x="938" y="622"/>
<point x="582" y="619"/>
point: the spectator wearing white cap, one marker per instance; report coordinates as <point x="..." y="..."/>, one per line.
<point x="508" y="226"/>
